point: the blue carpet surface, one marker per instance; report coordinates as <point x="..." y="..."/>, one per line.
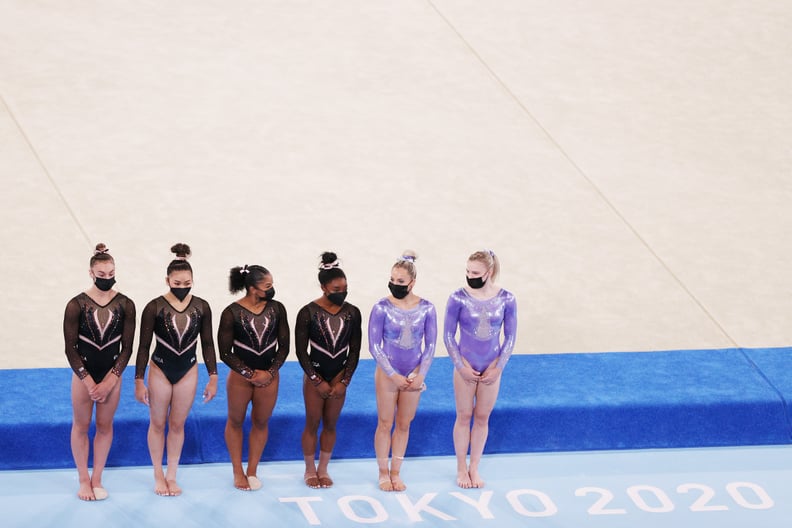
<point x="726" y="487"/>
<point x="563" y="402"/>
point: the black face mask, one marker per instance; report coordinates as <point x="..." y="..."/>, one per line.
<point x="476" y="282"/>
<point x="399" y="291"/>
<point x="337" y="298"/>
<point x="180" y="293"/>
<point x="268" y="295"/>
<point x="104" y="284"/>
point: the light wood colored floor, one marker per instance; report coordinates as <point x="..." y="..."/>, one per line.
<point x="628" y="161"/>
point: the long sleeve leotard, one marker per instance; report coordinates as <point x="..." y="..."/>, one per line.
<point x="328" y="343"/>
<point x="395" y="337"/>
<point x="250" y="342"/>
<point x="177" y="336"/>
<point x="480" y="323"/>
<point x="98" y="338"/>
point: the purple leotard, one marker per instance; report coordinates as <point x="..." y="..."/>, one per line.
<point x="395" y="337"/>
<point x="480" y="323"/>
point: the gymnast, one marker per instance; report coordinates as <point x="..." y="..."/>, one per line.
<point x="480" y="310"/>
<point x="98" y="330"/>
<point x="327" y="340"/>
<point x="179" y="320"/>
<point x="402" y="333"/>
<point x="253" y="340"/>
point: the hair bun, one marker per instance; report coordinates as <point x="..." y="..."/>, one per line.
<point x="181" y="250"/>
<point x="409" y="255"/>
<point x="101" y="249"/>
<point x="329" y="261"/>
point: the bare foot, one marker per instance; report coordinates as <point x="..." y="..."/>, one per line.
<point x="385" y="483"/>
<point x="463" y="480"/>
<point x="86" y="491"/>
<point x="241" y="482"/>
<point x="311" y="480"/>
<point x="475" y="479"/>
<point x="173" y="489"/>
<point x="398" y="484"/>
<point x="325" y="481"/>
<point x="161" y="487"/>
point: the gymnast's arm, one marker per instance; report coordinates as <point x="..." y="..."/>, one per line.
<point x="225" y="344"/>
<point x="375" y="333"/>
<point x="71" y="332"/>
<point x="509" y="330"/>
<point x="208" y="352"/>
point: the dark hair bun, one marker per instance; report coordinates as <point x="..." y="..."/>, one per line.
<point x="330" y="268"/>
<point x="181" y="250"/>
<point x="100" y="254"/>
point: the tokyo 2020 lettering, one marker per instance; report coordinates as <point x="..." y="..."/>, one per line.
<point x="454" y="506"/>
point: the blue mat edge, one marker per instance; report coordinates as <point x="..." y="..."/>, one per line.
<point x="768" y="382"/>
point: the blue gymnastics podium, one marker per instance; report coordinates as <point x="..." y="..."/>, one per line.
<point x="560" y="402"/>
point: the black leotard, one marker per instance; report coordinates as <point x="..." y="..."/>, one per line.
<point x="249" y="341"/>
<point x="177" y="335"/>
<point x="99" y="338"/>
<point x="334" y="341"/>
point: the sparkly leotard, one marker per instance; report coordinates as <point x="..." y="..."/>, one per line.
<point x="249" y="341"/>
<point x="395" y="337"/>
<point x="480" y="323"/>
<point x="334" y="341"/>
<point x="99" y="338"/>
<point x="177" y="336"/>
